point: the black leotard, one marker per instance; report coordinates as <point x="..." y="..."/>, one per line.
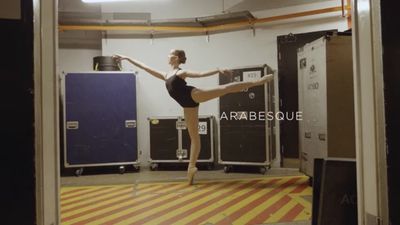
<point x="180" y="91"/>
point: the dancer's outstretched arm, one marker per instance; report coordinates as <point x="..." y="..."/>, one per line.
<point x="191" y="74"/>
<point x="155" y="73"/>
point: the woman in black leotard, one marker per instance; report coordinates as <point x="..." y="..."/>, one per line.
<point x="189" y="97"/>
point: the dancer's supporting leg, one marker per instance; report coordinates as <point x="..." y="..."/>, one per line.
<point x="192" y="121"/>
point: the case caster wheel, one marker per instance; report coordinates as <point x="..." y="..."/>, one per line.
<point x="121" y="169"/>
<point x="310" y="181"/>
<point x="137" y="168"/>
<point x="153" y="166"/>
<point x="78" y="172"/>
<point x="263" y="170"/>
<point x="227" y="169"/>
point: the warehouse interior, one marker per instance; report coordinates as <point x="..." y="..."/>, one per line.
<point x="312" y="145"/>
<point x="216" y="34"/>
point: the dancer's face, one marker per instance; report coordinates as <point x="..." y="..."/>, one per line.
<point x="172" y="58"/>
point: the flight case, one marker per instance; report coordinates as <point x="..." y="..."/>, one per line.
<point x="245" y="138"/>
<point x="99" y="120"/>
<point x="170" y="141"/>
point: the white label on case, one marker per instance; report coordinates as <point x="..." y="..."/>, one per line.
<point x="251" y="75"/>
<point x="203" y="128"/>
<point x="180" y="125"/>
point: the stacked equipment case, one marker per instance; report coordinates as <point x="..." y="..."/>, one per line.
<point x="170" y="141"/>
<point x="325" y="73"/>
<point x="99" y="120"/>
<point x="245" y="138"/>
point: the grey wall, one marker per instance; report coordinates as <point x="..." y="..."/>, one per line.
<point x="227" y="50"/>
<point x="76" y="60"/>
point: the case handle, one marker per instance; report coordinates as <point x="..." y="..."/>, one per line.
<point x="72" y="125"/>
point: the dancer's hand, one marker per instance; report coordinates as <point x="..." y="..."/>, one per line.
<point x="119" y="58"/>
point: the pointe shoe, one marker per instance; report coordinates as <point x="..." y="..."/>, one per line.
<point x="191" y="172"/>
<point x="266" y="78"/>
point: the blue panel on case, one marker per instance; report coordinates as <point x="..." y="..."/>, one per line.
<point x="101" y="103"/>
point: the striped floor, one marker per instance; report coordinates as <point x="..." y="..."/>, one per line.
<point x="254" y="201"/>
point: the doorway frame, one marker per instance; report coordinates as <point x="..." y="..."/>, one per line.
<point x="372" y="190"/>
<point x="46" y="110"/>
<point x="369" y="112"/>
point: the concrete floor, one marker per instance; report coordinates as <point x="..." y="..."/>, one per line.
<point x="147" y="176"/>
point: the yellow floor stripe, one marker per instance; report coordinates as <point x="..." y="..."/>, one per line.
<point x="306" y="213"/>
<point x="175" y="194"/>
<point x="83" y="191"/>
<point x="281" y="212"/>
<point x="88" y="192"/>
<point x="299" y="199"/>
<point x="231" y="209"/>
<point x="89" y="196"/>
<point x="214" y="206"/>
<point x="176" y="212"/>
<point x="258" y="209"/>
<point x="129" y="200"/>
<point x="102" y="198"/>
<point x="303" y="216"/>
<point x="177" y="201"/>
<point x="64" y="190"/>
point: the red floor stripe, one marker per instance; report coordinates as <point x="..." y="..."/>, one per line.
<point x="296" y="210"/>
<point x="259" y="201"/>
<point x="91" y="219"/>
<point x="264" y="215"/>
<point x="97" y="201"/>
<point x="73" y="191"/>
<point x="65" y="219"/>
<point x="80" y="194"/>
<point x="300" y="188"/>
<point x="219" y="209"/>
<point x="197" y="208"/>
<point x="88" y="197"/>
<point x="110" y="197"/>
<point x="137" y="212"/>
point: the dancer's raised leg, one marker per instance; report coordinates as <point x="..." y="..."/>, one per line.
<point x="192" y="121"/>
<point x="202" y="95"/>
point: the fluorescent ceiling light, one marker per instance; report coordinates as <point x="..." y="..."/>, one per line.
<point x="101" y="1"/>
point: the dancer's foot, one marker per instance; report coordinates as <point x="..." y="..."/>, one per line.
<point x="266" y="78"/>
<point x="191" y="172"/>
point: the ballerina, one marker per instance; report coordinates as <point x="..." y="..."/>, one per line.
<point x="190" y="97"/>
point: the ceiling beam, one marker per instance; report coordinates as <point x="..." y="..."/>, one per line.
<point x="228" y="26"/>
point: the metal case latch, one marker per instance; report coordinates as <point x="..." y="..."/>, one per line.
<point x="72" y="125"/>
<point x="130" y="123"/>
<point x="181" y="153"/>
<point x="322" y="137"/>
<point x="180" y="125"/>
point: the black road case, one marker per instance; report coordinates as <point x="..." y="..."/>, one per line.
<point x="170" y="141"/>
<point x="246" y="139"/>
<point x="100" y="120"/>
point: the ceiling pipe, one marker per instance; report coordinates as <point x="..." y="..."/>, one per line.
<point x="343" y="15"/>
<point x="349" y="22"/>
<point x="229" y="26"/>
